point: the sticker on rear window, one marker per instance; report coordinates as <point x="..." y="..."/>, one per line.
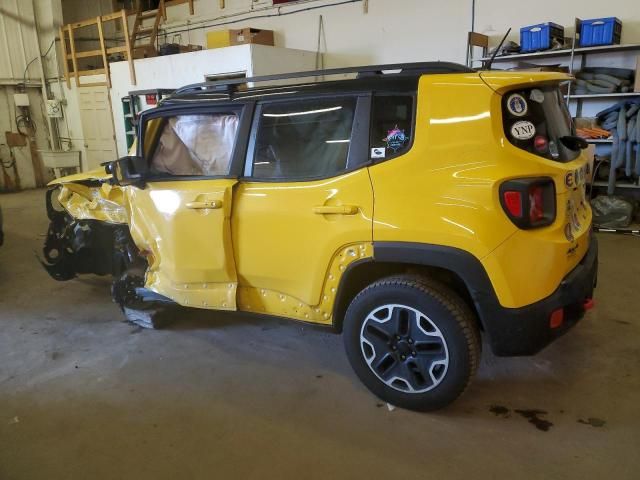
<point x="396" y="139"/>
<point x="379" y="152"/>
<point x="523" y="130"/>
<point x="537" y="95"/>
<point x="517" y="105"/>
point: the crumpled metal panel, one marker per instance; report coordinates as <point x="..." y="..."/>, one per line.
<point x="188" y="249"/>
<point x="104" y="203"/>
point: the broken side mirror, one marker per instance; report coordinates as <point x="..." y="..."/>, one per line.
<point x="128" y="170"/>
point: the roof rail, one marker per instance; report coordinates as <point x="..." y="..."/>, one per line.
<point x="225" y="86"/>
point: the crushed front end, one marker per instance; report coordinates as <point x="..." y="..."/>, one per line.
<point x="76" y="246"/>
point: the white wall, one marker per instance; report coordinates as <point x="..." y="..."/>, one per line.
<point x="392" y="31"/>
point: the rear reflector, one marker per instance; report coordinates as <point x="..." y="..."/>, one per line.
<point x="589" y="303"/>
<point x="557" y="318"/>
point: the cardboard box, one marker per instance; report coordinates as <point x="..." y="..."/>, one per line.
<point x="227" y="38"/>
<point x="251" y="35"/>
<point x="636" y="87"/>
<point x="586" y="122"/>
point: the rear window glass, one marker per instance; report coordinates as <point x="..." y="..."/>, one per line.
<point x="536" y="120"/>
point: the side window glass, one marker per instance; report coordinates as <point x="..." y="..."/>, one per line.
<point x="305" y="139"/>
<point x="391" y="126"/>
<point x="193" y="144"/>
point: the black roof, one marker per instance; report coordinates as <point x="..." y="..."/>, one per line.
<point x="398" y="77"/>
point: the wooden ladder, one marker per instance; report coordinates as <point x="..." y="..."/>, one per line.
<point x="150" y="31"/>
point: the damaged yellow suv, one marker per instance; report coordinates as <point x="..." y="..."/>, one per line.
<point x="414" y="208"/>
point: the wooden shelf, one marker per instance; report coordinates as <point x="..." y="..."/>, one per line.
<point x="565" y="52"/>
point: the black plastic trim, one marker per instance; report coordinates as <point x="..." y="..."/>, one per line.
<point x="424" y="68"/>
<point x="511" y="331"/>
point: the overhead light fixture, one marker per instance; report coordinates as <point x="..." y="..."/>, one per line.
<point x="337" y="141"/>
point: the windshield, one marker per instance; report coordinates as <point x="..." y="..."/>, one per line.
<point x="537" y="120"/>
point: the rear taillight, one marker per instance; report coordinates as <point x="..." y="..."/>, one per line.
<point x="529" y="202"/>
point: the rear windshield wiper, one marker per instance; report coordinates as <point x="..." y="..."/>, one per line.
<point x="573" y="142"/>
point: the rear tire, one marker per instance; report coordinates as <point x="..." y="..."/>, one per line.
<point x="413" y="342"/>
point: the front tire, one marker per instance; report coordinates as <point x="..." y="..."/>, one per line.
<point x="413" y="342"/>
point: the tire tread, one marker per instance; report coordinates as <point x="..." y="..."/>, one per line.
<point x="447" y="299"/>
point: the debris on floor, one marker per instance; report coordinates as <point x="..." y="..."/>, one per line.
<point x="594" y="422"/>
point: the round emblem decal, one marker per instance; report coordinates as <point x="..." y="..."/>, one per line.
<point x="523" y="130"/>
<point x="517" y="105"/>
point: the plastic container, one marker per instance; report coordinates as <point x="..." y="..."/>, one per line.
<point x="540" y="37"/>
<point x="600" y="31"/>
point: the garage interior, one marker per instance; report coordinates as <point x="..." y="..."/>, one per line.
<point x="84" y="394"/>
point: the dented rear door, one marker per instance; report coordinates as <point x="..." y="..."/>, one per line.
<point x="180" y="219"/>
<point x="183" y="227"/>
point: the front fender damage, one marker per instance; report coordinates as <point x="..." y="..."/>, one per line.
<point x="89" y="234"/>
<point x="80" y="244"/>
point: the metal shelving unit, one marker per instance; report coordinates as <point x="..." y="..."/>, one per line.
<point x="132" y="106"/>
<point x="604" y="95"/>
<point x="570" y="55"/>
<point x="599" y="183"/>
<point x="583" y="53"/>
<point x="565" y="52"/>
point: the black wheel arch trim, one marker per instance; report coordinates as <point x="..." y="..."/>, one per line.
<point x="510" y="331"/>
<point x="462" y="263"/>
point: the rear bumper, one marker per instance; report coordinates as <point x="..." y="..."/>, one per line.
<point x="526" y="330"/>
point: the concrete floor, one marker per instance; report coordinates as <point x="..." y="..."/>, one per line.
<point x="84" y="395"/>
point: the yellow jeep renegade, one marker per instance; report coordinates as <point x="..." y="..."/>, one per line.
<point x="414" y="208"/>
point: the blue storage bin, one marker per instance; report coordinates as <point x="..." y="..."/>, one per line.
<point x="540" y="37"/>
<point x="600" y="31"/>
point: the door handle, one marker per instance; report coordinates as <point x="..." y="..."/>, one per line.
<point x="336" y="210"/>
<point x="208" y="205"/>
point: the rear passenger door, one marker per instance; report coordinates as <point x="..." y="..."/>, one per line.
<point x="304" y="209"/>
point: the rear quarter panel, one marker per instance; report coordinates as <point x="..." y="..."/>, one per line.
<point x="444" y="191"/>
